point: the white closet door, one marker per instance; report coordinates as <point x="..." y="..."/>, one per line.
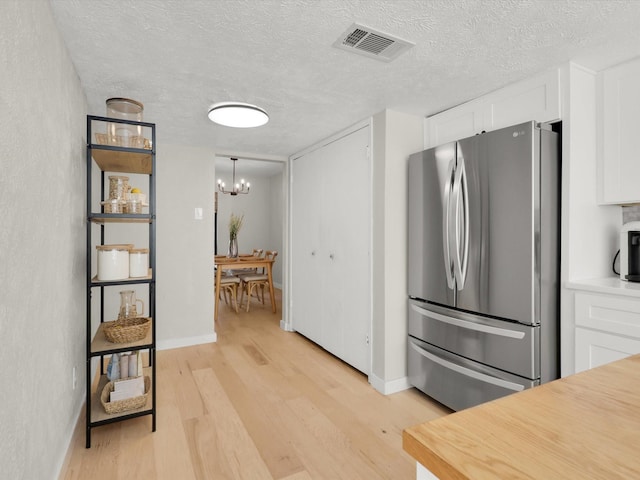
<point x="347" y="281"/>
<point x="356" y="268"/>
<point x="306" y="286"/>
<point x="331" y="232"/>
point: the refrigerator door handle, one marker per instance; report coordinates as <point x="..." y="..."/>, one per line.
<point x="461" y="224"/>
<point x="467" y="371"/>
<point x="478" y="327"/>
<point x="446" y="224"/>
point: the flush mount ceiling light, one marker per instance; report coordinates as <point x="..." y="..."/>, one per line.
<point x="238" y="115"/>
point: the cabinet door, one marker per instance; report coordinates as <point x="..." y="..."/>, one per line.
<point x="619" y="104"/>
<point x="346" y="215"/>
<point x="610" y="313"/>
<point x="537" y="98"/>
<point x="595" y="348"/>
<point x="607" y="329"/>
<point x="306" y="241"/>
<point x="459" y="122"/>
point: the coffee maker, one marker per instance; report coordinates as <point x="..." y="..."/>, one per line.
<point x="630" y="252"/>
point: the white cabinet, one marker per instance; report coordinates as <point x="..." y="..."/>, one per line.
<point x="537" y="98"/>
<point x="607" y="329"/>
<point x="330" y="243"/>
<point x="459" y="122"/>
<point x="619" y="124"/>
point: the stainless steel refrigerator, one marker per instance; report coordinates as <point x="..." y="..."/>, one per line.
<point x="483" y="267"/>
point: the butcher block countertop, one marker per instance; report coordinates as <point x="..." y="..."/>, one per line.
<point x="584" y="426"/>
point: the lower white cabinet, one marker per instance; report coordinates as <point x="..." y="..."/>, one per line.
<point x="330" y="244"/>
<point x="595" y="348"/>
<point x="607" y="329"/>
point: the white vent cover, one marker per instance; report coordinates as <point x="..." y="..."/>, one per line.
<point x="371" y="43"/>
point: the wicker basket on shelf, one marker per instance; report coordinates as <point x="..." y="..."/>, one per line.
<point x="120" y="406"/>
<point x="127" y="329"/>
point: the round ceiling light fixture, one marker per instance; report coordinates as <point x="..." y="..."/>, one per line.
<point x="238" y="115"/>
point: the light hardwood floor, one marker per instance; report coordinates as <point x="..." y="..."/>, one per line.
<point x="260" y="403"/>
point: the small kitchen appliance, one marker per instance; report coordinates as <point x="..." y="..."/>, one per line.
<point x="630" y="252"/>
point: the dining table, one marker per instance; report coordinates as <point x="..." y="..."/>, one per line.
<point x="241" y="262"/>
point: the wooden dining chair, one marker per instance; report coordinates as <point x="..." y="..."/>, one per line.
<point x="250" y="283"/>
<point x="229" y="286"/>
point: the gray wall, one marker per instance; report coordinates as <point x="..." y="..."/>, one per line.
<point x="184" y="246"/>
<point x="42" y="242"/>
<point x="395" y="137"/>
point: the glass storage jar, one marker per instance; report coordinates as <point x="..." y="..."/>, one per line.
<point x="118" y="187"/>
<point x="112" y="205"/>
<point x="139" y="262"/>
<point x="125" y="134"/>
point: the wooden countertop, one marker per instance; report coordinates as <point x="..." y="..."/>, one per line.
<point x="584" y="426"/>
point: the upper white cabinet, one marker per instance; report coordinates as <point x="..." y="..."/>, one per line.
<point x="618" y="127"/>
<point x="456" y="123"/>
<point x="537" y="98"/>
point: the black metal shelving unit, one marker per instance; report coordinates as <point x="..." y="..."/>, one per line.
<point x="117" y="160"/>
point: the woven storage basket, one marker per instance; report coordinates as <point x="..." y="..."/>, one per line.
<point x="127" y="329"/>
<point x="120" y="406"/>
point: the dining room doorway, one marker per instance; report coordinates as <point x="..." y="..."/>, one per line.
<point x="262" y="209"/>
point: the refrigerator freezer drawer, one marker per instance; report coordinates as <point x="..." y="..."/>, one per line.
<point x="508" y="346"/>
<point x="457" y="382"/>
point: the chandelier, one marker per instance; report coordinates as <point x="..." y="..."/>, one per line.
<point x="236" y="188"/>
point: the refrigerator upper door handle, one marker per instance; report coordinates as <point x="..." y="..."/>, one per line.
<point x="446" y="224"/>
<point x="461" y="222"/>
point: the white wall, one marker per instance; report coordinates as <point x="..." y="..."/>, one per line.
<point x="589" y="231"/>
<point x="276" y="225"/>
<point x="184" y="260"/>
<point x="263" y="210"/>
<point x="42" y="242"/>
<point x="395" y="137"/>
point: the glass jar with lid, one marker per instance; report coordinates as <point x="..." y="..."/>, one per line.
<point x="123" y="134"/>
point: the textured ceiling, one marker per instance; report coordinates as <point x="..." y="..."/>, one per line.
<point x="179" y="57"/>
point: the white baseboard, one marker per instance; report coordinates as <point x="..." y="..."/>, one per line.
<point x="286" y="327"/>
<point x="387" y="388"/>
<point x="186" y="341"/>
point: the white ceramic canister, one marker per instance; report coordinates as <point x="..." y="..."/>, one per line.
<point x="113" y="262"/>
<point x="139" y="262"/>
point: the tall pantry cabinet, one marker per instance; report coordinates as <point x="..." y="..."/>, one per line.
<point x="330" y="245"/>
<point x="111" y="224"/>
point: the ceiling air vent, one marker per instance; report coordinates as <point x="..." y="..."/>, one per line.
<point x="371" y="43"/>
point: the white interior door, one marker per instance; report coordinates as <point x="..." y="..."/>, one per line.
<point x="330" y="247"/>
<point x="306" y="286"/>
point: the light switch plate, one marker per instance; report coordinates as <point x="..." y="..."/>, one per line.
<point x="198" y="213"/>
